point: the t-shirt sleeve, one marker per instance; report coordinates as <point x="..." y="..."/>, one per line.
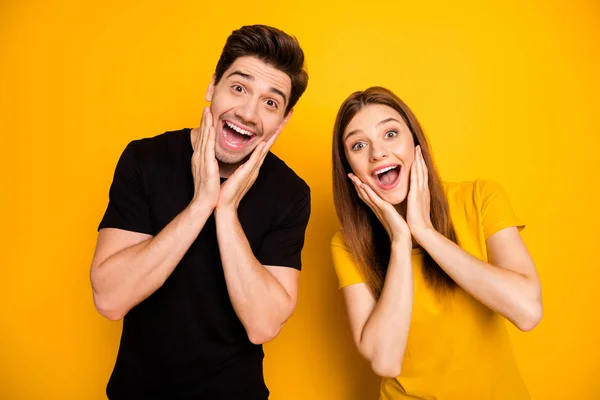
<point x="282" y="245"/>
<point x="128" y="207"/>
<point x="496" y="211"/>
<point x="345" y="267"/>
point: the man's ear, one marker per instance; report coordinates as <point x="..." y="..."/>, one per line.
<point x="285" y="120"/>
<point x="210" y="90"/>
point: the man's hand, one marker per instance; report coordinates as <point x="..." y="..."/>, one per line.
<point x="243" y="178"/>
<point x="205" y="168"/>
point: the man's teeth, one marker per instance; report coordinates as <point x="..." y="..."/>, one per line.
<point x="238" y="129"/>
<point x="381" y="171"/>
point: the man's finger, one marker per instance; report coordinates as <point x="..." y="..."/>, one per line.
<point x="264" y="150"/>
<point x="256" y="159"/>
<point x="197" y="143"/>
<point x="202" y="135"/>
<point x="212" y="142"/>
<point x="205" y="131"/>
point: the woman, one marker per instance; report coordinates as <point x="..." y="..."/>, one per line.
<point x="428" y="269"/>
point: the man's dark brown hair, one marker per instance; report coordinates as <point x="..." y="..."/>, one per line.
<point x="273" y="47"/>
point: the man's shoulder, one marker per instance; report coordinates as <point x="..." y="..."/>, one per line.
<point x="282" y="176"/>
<point x="155" y="148"/>
<point x="159" y="142"/>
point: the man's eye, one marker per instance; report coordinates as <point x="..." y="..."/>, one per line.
<point x="238" y="88"/>
<point x="272" y="103"/>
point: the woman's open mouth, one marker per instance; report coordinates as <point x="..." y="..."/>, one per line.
<point x="387" y="177"/>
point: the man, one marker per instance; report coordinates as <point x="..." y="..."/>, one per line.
<point x="203" y="262"/>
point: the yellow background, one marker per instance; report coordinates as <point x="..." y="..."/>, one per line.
<point x="507" y="91"/>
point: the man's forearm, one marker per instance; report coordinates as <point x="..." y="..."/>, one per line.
<point x="129" y="276"/>
<point x="260" y="301"/>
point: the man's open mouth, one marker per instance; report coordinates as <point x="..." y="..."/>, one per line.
<point x="235" y="136"/>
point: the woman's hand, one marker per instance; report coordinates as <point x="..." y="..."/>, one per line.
<point x="392" y="221"/>
<point x="419" y="199"/>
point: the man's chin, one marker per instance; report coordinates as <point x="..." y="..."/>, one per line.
<point x="232" y="158"/>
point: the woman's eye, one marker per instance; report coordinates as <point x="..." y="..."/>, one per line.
<point x="358" y="146"/>
<point x="391" y="134"/>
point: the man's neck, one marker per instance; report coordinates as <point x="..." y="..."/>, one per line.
<point x="226" y="170"/>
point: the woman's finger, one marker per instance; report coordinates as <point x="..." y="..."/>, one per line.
<point x="378" y="201"/>
<point x="426" y="170"/>
<point x="358" y="185"/>
<point x="422" y="170"/>
<point x="417" y="169"/>
<point x="414" y="178"/>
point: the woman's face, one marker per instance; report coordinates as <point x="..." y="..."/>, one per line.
<point x="380" y="149"/>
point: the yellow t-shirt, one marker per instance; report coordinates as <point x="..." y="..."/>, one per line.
<point x="457" y="349"/>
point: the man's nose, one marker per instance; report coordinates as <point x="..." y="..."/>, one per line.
<point x="247" y="112"/>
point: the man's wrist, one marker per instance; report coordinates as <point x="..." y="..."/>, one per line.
<point x="200" y="207"/>
<point x="225" y="212"/>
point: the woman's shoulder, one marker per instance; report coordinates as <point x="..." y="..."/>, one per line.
<point x="484" y="199"/>
<point x="338" y="239"/>
<point x="475" y="190"/>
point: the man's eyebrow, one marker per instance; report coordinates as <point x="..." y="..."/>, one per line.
<point x="251" y="78"/>
<point x="279" y="92"/>
<point x="242" y="74"/>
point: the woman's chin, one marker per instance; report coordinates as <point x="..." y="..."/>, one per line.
<point x="394" y="199"/>
<point x="393" y="195"/>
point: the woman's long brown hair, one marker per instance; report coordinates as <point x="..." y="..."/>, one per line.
<point x="364" y="234"/>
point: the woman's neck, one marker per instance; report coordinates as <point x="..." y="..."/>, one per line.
<point x="401" y="208"/>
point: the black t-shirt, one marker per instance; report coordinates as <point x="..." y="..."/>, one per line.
<point x="185" y="340"/>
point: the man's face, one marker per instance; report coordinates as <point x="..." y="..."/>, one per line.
<point x="248" y="106"/>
